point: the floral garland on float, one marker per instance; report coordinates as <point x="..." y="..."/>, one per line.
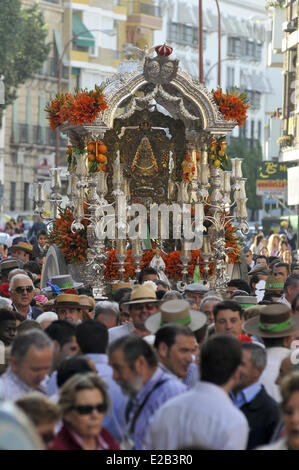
<point x="76" y="108"/>
<point x="74" y="248"/>
<point x="84" y="106"/>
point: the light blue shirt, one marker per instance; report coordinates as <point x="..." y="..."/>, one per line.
<point x="246" y="395"/>
<point x="169" y="389"/>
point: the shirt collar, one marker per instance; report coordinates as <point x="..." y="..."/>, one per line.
<point x="247" y="394"/>
<point x="149" y="385"/>
<point x="18" y="382"/>
<point x="29" y="314"/>
<point x="98" y="358"/>
<point x="100" y="443"/>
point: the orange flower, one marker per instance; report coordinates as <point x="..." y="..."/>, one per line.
<point x="232" y="105"/>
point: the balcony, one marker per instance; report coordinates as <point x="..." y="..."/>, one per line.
<point x="31" y="135"/>
<point x="147" y="15"/>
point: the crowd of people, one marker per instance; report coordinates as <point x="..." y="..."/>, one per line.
<point x="153" y="368"/>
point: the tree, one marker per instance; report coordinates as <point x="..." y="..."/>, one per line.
<point x="23" y="46"/>
<point x="252" y="160"/>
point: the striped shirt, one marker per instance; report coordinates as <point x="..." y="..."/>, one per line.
<point x="12" y="388"/>
<point x="169" y="387"/>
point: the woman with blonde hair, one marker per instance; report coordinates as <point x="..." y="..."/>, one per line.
<point x="87" y="307"/>
<point x="84" y="402"/>
<point x="273" y="244"/>
<point x="257" y="244"/>
<point x="289" y="389"/>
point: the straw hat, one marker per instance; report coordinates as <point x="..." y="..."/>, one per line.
<point x="8" y="264"/>
<point x="142" y="293"/>
<point x="176" y="311"/>
<point x="27" y="247"/>
<point x="274" y="321"/>
<point x="67" y="301"/>
<point x="246" y="301"/>
<point x="274" y="284"/>
<point x="119" y="285"/>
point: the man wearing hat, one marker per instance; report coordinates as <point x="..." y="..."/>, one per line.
<point x="175" y="342"/>
<point x="281" y="270"/>
<point x="228" y="318"/>
<point x="67" y="307"/>
<point x="22" y="251"/>
<point x="274" y="288"/>
<point x="196" y="291"/>
<point x="143" y="303"/>
<point x="6" y="266"/>
<point x="277" y="327"/>
<point x="290" y="290"/>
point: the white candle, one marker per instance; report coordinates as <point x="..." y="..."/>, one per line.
<point x="242" y="188"/>
<point x="204" y="157"/>
<point x="136" y="249"/>
<point x="226" y="181"/>
<point x="40" y="192"/>
<point x="121" y="247"/>
<point x="233" y="160"/>
<point x="238" y="168"/>
<point x="206" y="249"/>
<point x="243" y="210"/>
<point x="185" y="248"/>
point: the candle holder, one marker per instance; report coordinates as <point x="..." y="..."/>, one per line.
<point x="137" y="253"/>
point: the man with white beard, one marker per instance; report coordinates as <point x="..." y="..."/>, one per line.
<point x="136" y="370"/>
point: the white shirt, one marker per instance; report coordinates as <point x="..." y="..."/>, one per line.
<point x="119" y="331"/>
<point x="284" y="301"/>
<point x="271" y="371"/>
<point x="203" y="417"/>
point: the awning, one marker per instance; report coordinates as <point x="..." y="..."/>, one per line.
<point x="84" y="37"/>
<point x="58" y="42"/>
<point x="185" y="14"/>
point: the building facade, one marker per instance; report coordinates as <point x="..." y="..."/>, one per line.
<point x="243" y="58"/>
<point x="289" y="140"/>
<point x="29" y="144"/>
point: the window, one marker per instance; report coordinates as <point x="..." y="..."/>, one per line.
<point x="230" y="77"/>
<point x="259" y="130"/>
<point x="258" y="51"/>
<point x="234" y="46"/>
<point x="12" y="204"/>
<point x="26" y="206"/>
<point x="187" y="34"/>
<point x="249" y="48"/>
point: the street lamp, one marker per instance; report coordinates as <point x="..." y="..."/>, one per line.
<point x="109" y="32"/>
<point x="200" y="41"/>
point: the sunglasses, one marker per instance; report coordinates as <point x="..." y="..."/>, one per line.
<point x="47" y="437"/>
<point x="88" y="409"/>
<point x="22" y="289"/>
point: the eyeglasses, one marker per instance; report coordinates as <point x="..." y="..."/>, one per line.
<point x="89" y="309"/>
<point x="142" y="306"/>
<point x="23" y="289"/>
<point x="88" y="409"/>
<point x="47" y="437"/>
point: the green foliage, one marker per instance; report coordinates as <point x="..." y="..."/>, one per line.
<point x="252" y="160"/>
<point x="23" y="45"/>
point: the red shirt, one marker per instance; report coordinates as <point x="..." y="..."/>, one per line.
<point x="67" y="439"/>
